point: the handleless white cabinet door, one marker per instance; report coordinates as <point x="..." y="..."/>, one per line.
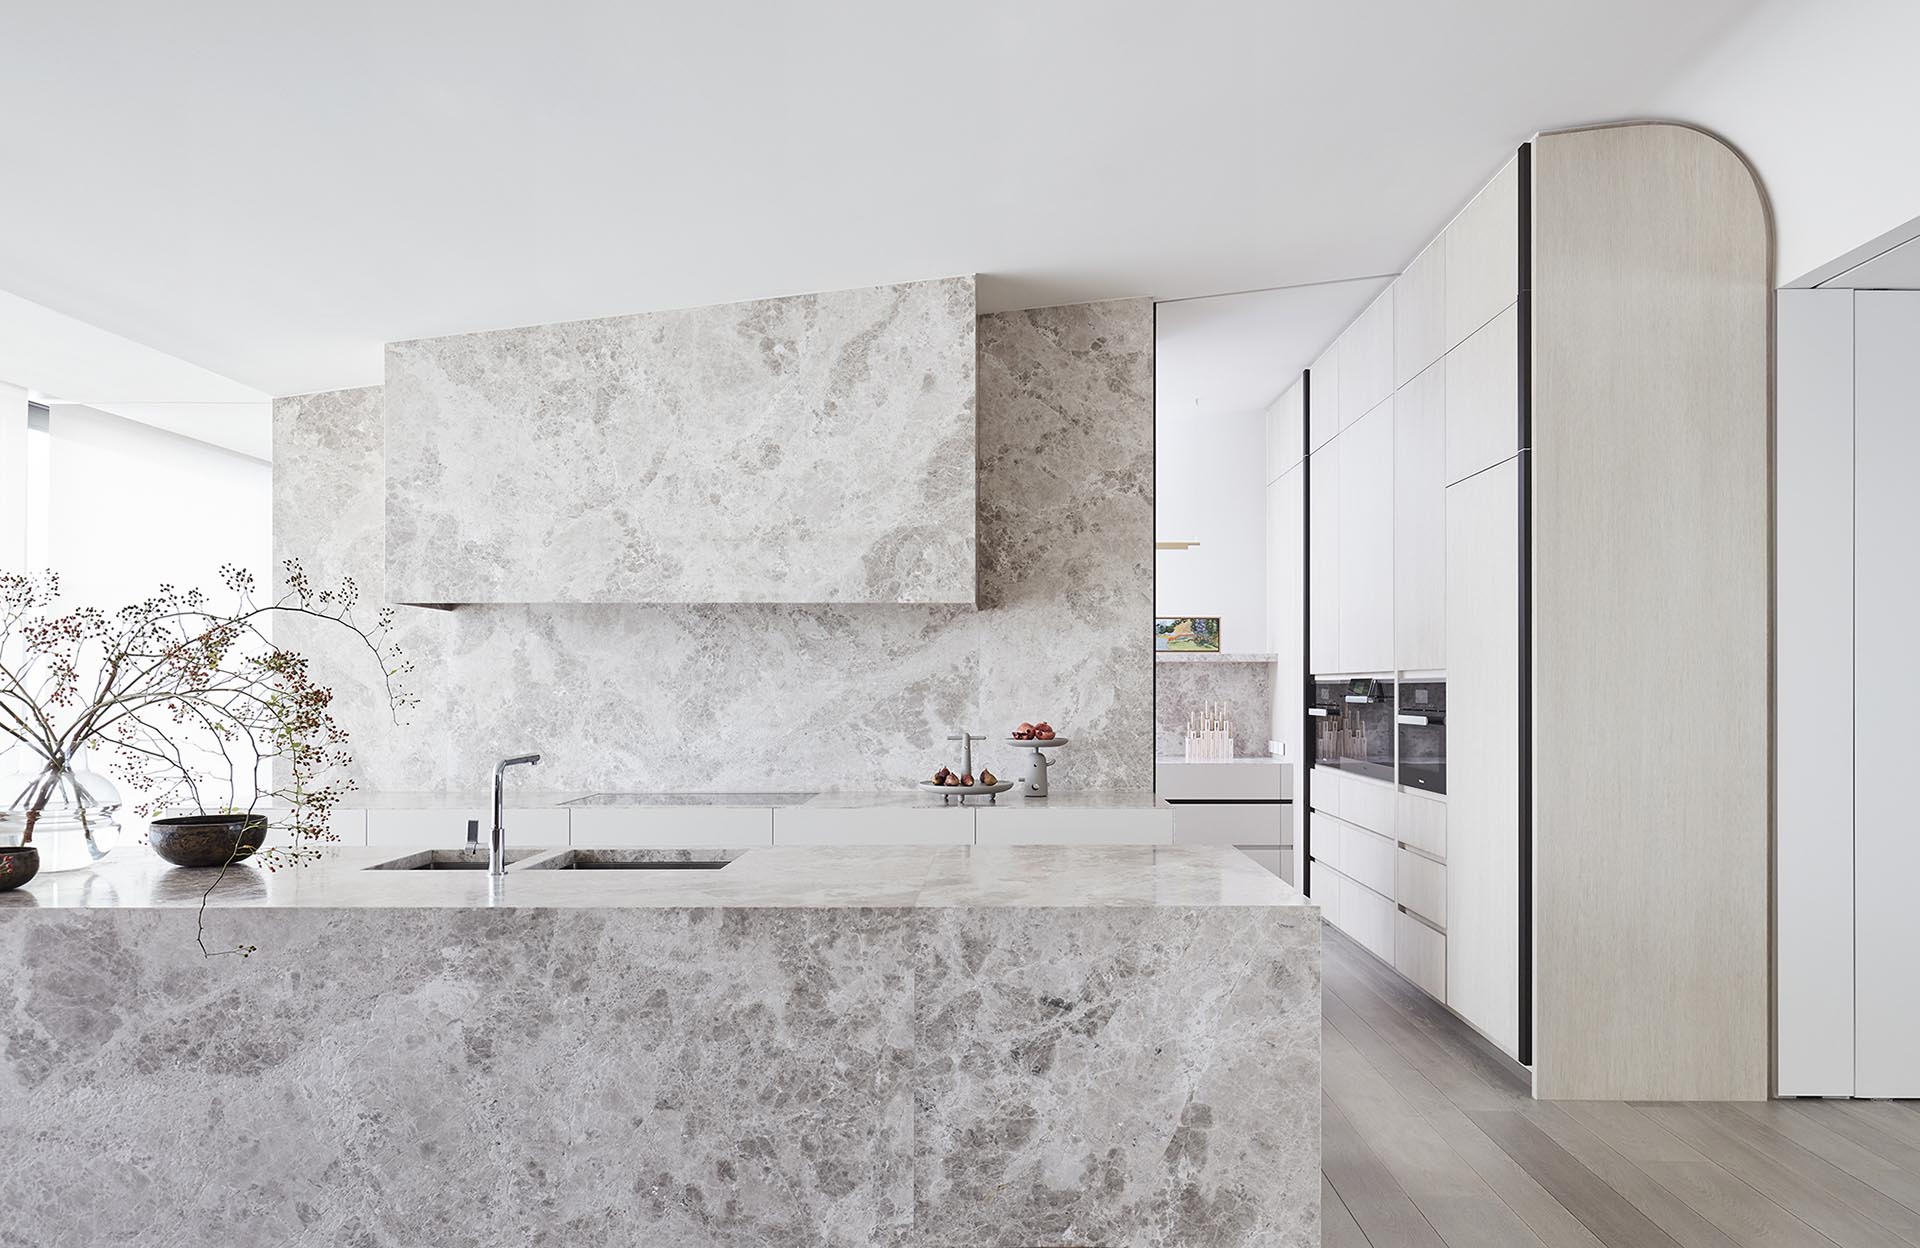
<point x="1483" y="752"/>
<point x="1420" y="523"/>
<point x="1420" y="313"/>
<point x="1886" y="691"/>
<point x="1323" y="572"/>
<point x="1366" y="542"/>
<point x="1323" y="398"/>
<point x="1483" y="256"/>
<point x="1366" y="360"/>
<point x="1482" y="398"/>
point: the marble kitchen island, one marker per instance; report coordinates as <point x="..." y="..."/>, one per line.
<point x="861" y="1046"/>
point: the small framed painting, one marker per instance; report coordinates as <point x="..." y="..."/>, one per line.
<point x="1190" y="634"/>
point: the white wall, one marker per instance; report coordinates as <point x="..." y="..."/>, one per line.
<point x="1210" y="487"/>
<point x="133" y="506"/>
<point x="1822" y="99"/>
<point x="13" y="478"/>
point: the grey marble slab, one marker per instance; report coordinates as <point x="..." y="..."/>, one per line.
<point x="132" y="877"/>
<point x="752" y="800"/>
<point x="1245" y="689"/>
<point x="808" y="449"/>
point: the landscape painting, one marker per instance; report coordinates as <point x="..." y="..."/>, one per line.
<point x="1192" y="634"/>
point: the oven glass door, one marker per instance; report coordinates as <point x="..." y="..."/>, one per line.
<point x="1423" y="735"/>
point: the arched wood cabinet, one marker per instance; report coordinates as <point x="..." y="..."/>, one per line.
<point x="1562" y="408"/>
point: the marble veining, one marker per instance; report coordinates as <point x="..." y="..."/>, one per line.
<point x="1069" y="1046"/>
<point x="813" y="448"/>
<point x="762" y="696"/>
<point x="1246" y="690"/>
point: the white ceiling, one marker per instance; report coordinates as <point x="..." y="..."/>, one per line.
<point x="271" y="192"/>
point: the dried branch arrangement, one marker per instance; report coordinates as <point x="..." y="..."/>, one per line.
<point x="191" y="700"/>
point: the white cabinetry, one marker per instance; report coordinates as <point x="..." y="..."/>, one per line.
<point x="1323" y="399"/>
<point x="1482" y="398"/>
<point x="1323" y="643"/>
<point x="1419" y="313"/>
<point x="1366" y="543"/>
<point x="1483" y="761"/>
<point x="1420" y="523"/>
<point x="1286" y="435"/>
<point x="1483" y="256"/>
<point x="1886" y="691"/>
<point x="1366" y="360"/>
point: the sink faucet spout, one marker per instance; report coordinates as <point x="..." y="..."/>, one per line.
<point x="497" y="843"/>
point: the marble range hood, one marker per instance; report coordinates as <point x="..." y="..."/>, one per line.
<point x="809" y="449"/>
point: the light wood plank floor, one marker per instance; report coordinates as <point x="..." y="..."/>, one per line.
<point x="1431" y="1139"/>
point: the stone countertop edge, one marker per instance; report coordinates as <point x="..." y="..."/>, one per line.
<point x="891" y="877"/>
<point x="542" y="799"/>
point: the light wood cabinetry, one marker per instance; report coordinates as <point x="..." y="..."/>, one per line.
<point x="1286" y="607"/>
<point x="1650" y="458"/>
<point x="1366" y="360"/>
<point x="1324" y="569"/>
<point x="1482" y="398"/>
<point x="1420" y="523"/>
<point x="1421" y="822"/>
<point x="1366" y="542"/>
<point x="1419" y="313"/>
<point x="1286" y="434"/>
<point x="1323" y="399"/>
<point x="1483" y="256"/>
<point x="1483" y="752"/>
<point x="1420" y="885"/>
<point x="1420" y="953"/>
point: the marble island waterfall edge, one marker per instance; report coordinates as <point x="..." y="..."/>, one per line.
<point x="922" y="1073"/>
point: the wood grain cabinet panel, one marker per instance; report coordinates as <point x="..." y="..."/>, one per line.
<point x="1420" y="884"/>
<point x="1481" y="398"/>
<point x="1323" y="398"/>
<point x="1368" y="917"/>
<point x="1366" y="360"/>
<point x="1419" y="313"/>
<point x="1420" y="953"/>
<point x="1367" y="859"/>
<point x="1323" y="575"/>
<point x="1483" y="752"/>
<point x="1421" y="822"/>
<point x="1483" y="257"/>
<point x="1420" y="523"/>
<point x="1366" y="542"/>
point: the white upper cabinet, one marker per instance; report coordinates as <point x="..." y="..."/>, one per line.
<point x="1366" y="542"/>
<point x="1420" y="313"/>
<point x="1285" y="431"/>
<point x="1483" y="256"/>
<point x="1366" y="360"/>
<point x="1483" y="398"/>
<point x="1323" y="397"/>
<point x="1323" y="572"/>
<point x="1420" y="522"/>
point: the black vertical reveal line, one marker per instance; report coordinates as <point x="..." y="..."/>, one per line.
<point x="1524" y="319"/>
<point x="1303" y="806"/>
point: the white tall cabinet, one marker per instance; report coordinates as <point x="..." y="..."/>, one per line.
<point x="1847" y="1014"/>
<point x="1537" y="468"/>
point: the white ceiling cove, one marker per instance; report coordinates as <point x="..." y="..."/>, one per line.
<point x="271" y="192"/>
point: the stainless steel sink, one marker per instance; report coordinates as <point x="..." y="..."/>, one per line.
<point x="448" y="860"/>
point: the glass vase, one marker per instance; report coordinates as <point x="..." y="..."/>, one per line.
<point x="75" y="824"/>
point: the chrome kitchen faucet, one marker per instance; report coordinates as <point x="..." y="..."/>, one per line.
<point x="497" y="843"/>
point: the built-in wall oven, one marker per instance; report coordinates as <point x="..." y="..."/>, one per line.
<point x="1422" y="722"/>
<point x="1353" y="726"/>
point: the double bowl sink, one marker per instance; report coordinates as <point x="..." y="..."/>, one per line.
<point x="519" y="860"/>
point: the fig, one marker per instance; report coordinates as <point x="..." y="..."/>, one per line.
<point x="952" y="781"/>
<point x="986" y="777"/>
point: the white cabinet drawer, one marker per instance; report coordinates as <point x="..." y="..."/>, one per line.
<point x="1327" y="833"/>
<point x="855" y="825"/>
<point x="1420" y="953"/>
<point x="1326" y="789"/>
<point x="1367" y="859"/>
<point x="1222" y="823"/>
<point x="1420" y="884"/>
<point x="1421" y="822"/>
<point x="672" y="827"/>
<point x="1368" y="917"/>
<point x="1037" y="824"/>
<point x="447" y="828"/>
<point x="1326" y="885"/>
<point x="1368" y="804"/>
<point x="1249" y="781"/>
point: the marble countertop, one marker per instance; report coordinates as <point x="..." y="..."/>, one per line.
<point x="1044" y="876"/>
<point x="544" y="799"/>
<point x="1232" y="656"/>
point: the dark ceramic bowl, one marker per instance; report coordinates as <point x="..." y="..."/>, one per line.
<point x="206" y="840"/>
<point x="18" y="864"/>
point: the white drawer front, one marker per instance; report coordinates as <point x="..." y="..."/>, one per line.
<point x="1367" y="859"/>
<point x="1420" y="884"/>
<point x="1368" y="804"/>
<point x="1247" y="781"/>
<point x="1420" y="953"/>
<point x="1327" y="886"/>
<point x="672" y="827"/>
<point x="1422" y="823"/>
<point x="1326" y="790"/>
<point x="447" y="829"/>
<point x="1220" y="824"/>
<point x="933" y="825"/>
<point x="1368" y="917"/>
<point x="1039" y="825"/>
<point x="1328" y="835"/>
